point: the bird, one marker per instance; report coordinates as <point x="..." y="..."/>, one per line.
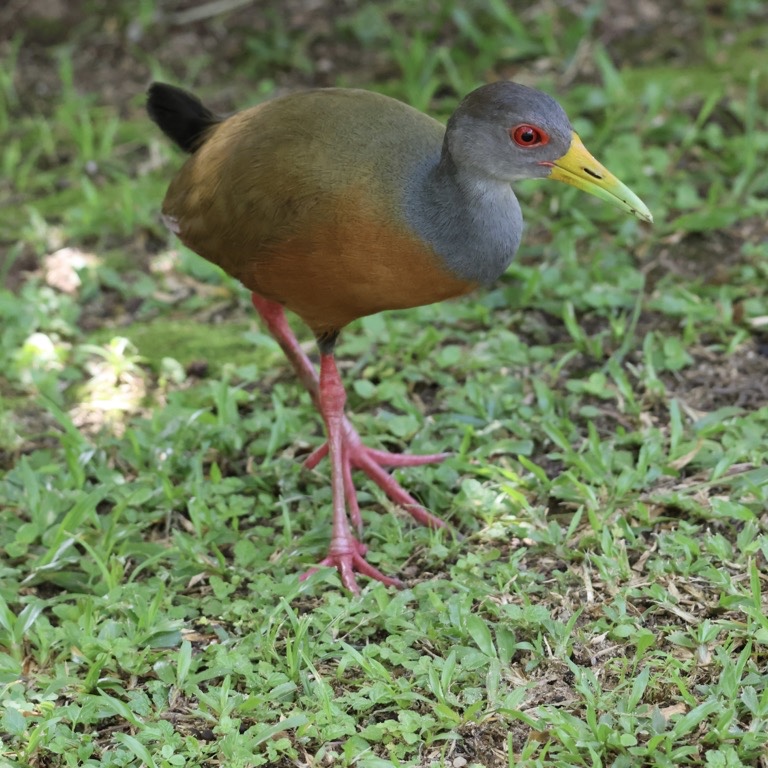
<point x="337" y="203"/>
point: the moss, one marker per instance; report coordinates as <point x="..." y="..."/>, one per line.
<point x="187" y="342"/>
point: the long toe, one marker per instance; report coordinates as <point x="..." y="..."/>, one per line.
<point x="372" y="461"/>
<point x="349" y="563"/>
<point x="354" y="445"/>
<point x="396" y="492"/>
<point x="383" y="458"/>
<point x="387" y="459"/>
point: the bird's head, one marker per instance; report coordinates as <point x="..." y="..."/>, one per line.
<point x="506" y="131"/>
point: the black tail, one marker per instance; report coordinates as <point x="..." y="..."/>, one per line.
<point x="180" y="115"/>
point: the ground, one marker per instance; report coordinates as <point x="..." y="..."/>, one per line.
<point x="601" y="599"/>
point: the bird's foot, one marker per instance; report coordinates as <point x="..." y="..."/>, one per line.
<point x="348" y="557"/>
<point x="372" y="462"/>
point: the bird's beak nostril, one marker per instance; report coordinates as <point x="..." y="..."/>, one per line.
<point x="579" y="168"/>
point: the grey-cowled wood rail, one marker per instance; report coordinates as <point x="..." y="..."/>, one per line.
<point x="338" y="203"/>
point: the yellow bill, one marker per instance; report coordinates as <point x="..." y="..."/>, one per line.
<point x="579" y="168"/>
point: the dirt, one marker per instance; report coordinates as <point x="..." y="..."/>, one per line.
<point x="718" y="379"/>
<point x="110" y="49"/>
<point x="111" y="44"/>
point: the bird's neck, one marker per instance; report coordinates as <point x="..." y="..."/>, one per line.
<point x="473" y="223"/>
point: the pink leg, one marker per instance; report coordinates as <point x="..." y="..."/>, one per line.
<point x="328" y="395"/>
<point x="345" y="551"/>
<point x="274" y="316"/>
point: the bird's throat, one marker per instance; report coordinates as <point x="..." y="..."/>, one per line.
<point x="474" y="224"/>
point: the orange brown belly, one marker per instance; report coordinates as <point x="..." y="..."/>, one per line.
<point x="342" y="273"/>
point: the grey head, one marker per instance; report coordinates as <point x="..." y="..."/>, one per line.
<point x="464" y="206"/>
<point x="506" y="131"/>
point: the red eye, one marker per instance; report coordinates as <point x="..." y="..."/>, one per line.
<point x="528" y="136"/>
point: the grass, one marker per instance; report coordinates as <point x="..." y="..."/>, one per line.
<point x="605" y="402"/>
